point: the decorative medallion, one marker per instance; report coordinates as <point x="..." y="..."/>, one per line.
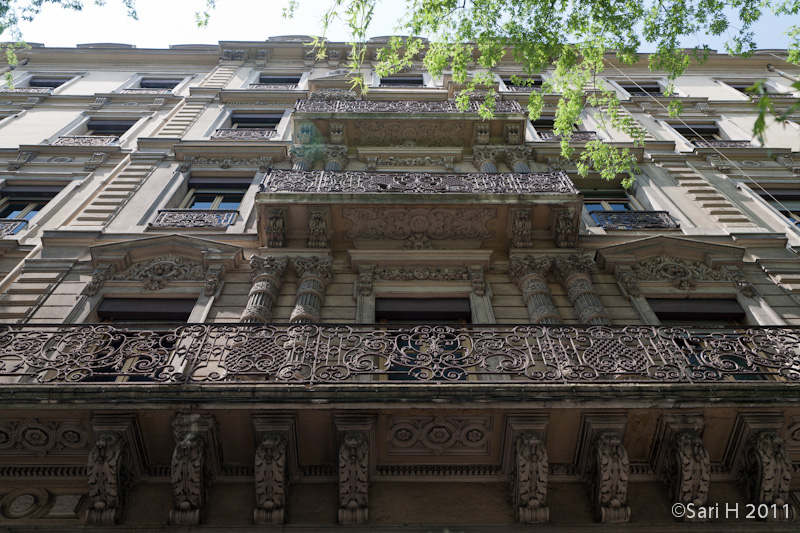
<point x="439" y="436"/>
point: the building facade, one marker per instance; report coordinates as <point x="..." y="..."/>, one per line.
<point x="235" y="291"/>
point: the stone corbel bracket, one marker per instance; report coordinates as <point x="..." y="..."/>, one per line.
<point x="22" y="158"/>
<point x="116" y="464"/>
<point x="603" y="463"/>
<point x="355" y="438"/>
<point x="525" y="459"/>
<point x="196" y="462"/>
<point x="759" y="461"/>
<point x="275" y="465"/>
<point x="680" y="460"/>
<point x="565" y="223"/>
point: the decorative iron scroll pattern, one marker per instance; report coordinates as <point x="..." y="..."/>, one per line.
<point x="28" y="90"/>
<point x="399" y="106"/>
<point x="194" y="218"/>
<point x="242" y="133"/>
<point x="578" y="136"/>
<point x="722" y="144"/>
<point x="146" y="91"/>
<point x="86" y="140"/>
<point x="634" y="220"/>
<point x="272" y="86"/>
<point x="318" y="181"/>
<point x="312" y="353"/>
<point x="9" y="226"/>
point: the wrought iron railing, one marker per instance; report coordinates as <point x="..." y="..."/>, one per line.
<point x="194" y="218"/>
<point x="722" y="144"/>
<point x="417" y="182"/>
<point x="28" y="90"/>
<point x="9" y="226"/>
<point x="382" y="354"/>
<point x="578" y="136"/>
<point x="146" y="91"/>
<point x="272" y="86"/>
<point x="243" y="133"/>
<point x="634" y="220"/>
<point x="87" y="140"/>
<point x="399" y="106"/>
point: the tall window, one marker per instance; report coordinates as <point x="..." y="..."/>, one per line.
<point x="699" y="132"/>
<point x="785" y="201"/>
<point x="279" y="79"/>
<point x="145" y="309"/>
<point x="698" y="312"/>
<point x="643" y="88"/>
<point x="51" y="82"/>
<point x="159" y="83"/>
<point x="255" y="121"/>
<point x="403" y="80"/>
<point x="22" y="203"/>
<point x="515" y="83"/>
<point x="215" y="193"/>
<point x="104" y="127"/>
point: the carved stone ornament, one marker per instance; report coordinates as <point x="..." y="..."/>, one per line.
<point x="477" y="280"/>
<point x="416" y="133"/>
<point x="521" y="229"/>
<point x="403" y="223"/>
<point x="275" y="230"/>
<point x="191" y="479"/>
<point x="314" y="274"/>
<point x="234" y="55"/>
<point x="99" y="276"/>
<point x="366" y="275"/>
<point x="22" y="158"/>
<point x="391" y="161"/>
<point x="565" y="231"/>
<point x="267" y="281"/>
<point x="421" y="274"/>
<point x="263" y="163"/>
<point x="717" y="163"/>
<point x="213" y="277"/>
<point x="109" y="480"/>
<point x="33" y="436"/>
<point x="687" y="469"/>
<point x="270" y="476"/>
<point x="97" y="159"/>
<point x="529" y="479"/>
<point x="439" y="435"/>
<point x="682" y="274"/>
<point x="158" y="272"/>
<point x="608" y="478"/>
<point x="318" y="235"/>
<point x="404" y="107"/>
<point x="765" y="474"/>
<point x="337" y="133"/>
<point x="789" y="163"/>
<point x="353" y="478"/>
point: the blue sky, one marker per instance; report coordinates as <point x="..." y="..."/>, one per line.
<point x="165" y="22"/>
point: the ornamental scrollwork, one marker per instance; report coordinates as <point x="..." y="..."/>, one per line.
<point x="191" y="479"/>
<point x="608" y="478"/>
<point x="684" y="274"/>
<point x="353" y="478"/>
<point x="270" y="477"/>
<point x="439" y="436"/>
<point x="109" y="480"/>
<point x="42" y="437"/>
<point x="157" y="273"/>
<point x="423" y="133"/>
<point x="194" y="218"/>
<point x="687" y="469"/>
<point x="529" y="478"/>
<point x="403" y="223"/>
<point x="765" y="473"/>
<point x="99" y="277"/>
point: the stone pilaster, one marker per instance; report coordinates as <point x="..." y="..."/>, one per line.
<point x="574" y="273"/>
<point x="265" y="288"/>
<point x="335" y="158"/>
<point x="314" y="274"/>
<point x="529" y="274"/>
<point x="485" y="159"/>
<point x="302" y="157"/>
<point x="518" y="159"/>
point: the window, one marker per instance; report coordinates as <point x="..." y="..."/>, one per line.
<point x="404" y="80"/>
<point x="215" y="193"/>
<point x="643" y="88"/>
<point x="595" y="200"/>
<point x="785" y="201"/>
<point x="145" y="309"/>
<point x="108" y="127"/>
<point x="422" y="310"/>
<point x="533" y="83"/>
<point x="255" y="121"/>
<point x="279" y="79"/>
<point x="23" y="202"/>
<point x="47" y="82"/>
<point x="697" y="313"/>
<point x="699" y="132"/>
<point x="159" y="83"/>
<point x="544" y="128"/>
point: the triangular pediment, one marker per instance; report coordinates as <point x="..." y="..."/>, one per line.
<point x="208" y="254"/>
<point x="711" y="254"/>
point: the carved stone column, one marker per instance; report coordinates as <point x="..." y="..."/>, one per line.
<point x="353" y="478"/>
<point x="765" y="473"/>
<point x="302" y="157"/>
<point x="110" y="479"/>
<point x="529" y="274"/>
<point x="518" y="159"/>
<point x="485" y="159"/>
<point x="335" y="157"/>
<point x="608" y="473"/>
<point x="574" y="273"/>
<point x="529" y="479"/>
<point x="681" y="461"/>
<point x="314" y="274"/>
<point x="195" y="464"/>
<point x="265" y="288"/>
<point x="270" y="476"/>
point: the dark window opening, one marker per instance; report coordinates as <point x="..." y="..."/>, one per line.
<point x="159" y="83"/>
<point x="45" y="82"/>
<point x="533" y="82"/>
<point x="255" y="121"/>
<point x="145" y="309"/>
<point x="697" y="312"/>
<point x="699" y="132"/>
<point x="423" y="310"/>
<point x="785" y="201"/>
<point x="279" y="79"/>
<point x="108" y="127"/>
<point x="643" y="89"/>
<point x="406" y="80"/>
<point x="23" y="202"/>
<point x="607" y="200"/>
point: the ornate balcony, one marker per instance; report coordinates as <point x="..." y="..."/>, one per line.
<point x="9" y="226"/>
<point x="416" y="182"/>
<point x="350" y="354"/>
<point x="578" y="136"/>
<point x="87" y="140"/>
<point x="272" y="86"/>
<point x="194" y="218"/>
<point x="146" y="91"/>
<point x="28" y="90"/>
<point x="634" y="220"/>
<point x="399" y="106"/>
<point x="722" y="144"/>
<point x="242" y="133"/>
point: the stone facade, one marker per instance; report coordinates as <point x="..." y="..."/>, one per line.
<point x="375" y="309"/>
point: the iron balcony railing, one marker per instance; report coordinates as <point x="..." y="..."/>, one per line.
<point x="400" y="106"/>
<point x="578" y="136"/>
<point x="87" y="140"/>
<point x="416" y="182"/>
<point x="194" y="218"/>
<point x="243" y="133"/>
<point x="9" y="226"/>
<point x="385" y="354"/>
<point x="634" y="220"/>
<point x="722" y="144"/>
